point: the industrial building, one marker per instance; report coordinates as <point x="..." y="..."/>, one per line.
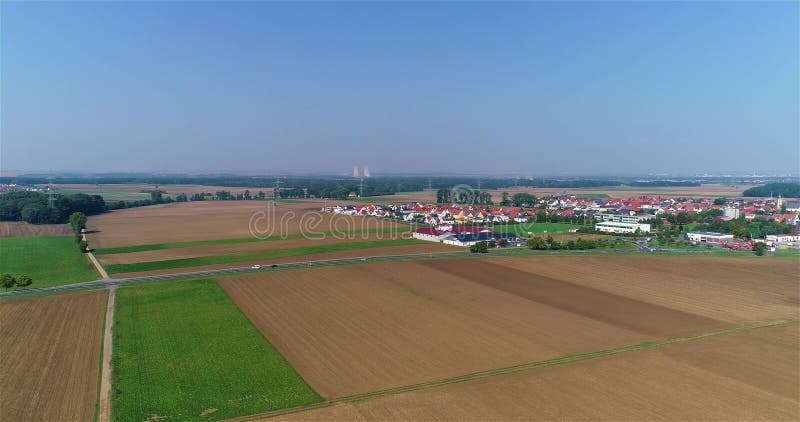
<point x="620" y="227"/>
<point x="709" y="237"/>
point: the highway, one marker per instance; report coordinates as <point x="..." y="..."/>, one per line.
<point x="111" y="282"/>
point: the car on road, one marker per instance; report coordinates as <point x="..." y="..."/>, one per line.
<point x="255" y="267"/>
<point x="274" y="265"/>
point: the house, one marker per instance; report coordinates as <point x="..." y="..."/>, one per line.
<point x="429" y="234"/>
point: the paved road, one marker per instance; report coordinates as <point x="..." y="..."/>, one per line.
<point x="111" y="282"/>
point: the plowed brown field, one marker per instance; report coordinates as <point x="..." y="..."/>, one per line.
<point x="23" y="229"/>
<point x="210" y="220"/>
<point x="355" y="329"/>
<point x="51" y="350"/>
<point x="750" y="375"/>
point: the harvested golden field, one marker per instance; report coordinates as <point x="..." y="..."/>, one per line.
<point x="23" y="229"/>
<point x="210" y="220"/>
<point x="355" y="329"/>
<point x="751" y="375"/>
<point x="49" y="371"/>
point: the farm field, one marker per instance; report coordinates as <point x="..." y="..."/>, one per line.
<point x="731" y="289"/>
<point x="707" y="190"/>
<point x="233" y="246"/>
<point x="183" y="351"/>
<point x="405" y="248"/>
<point x="116" y="191"/>
<point x="536" y="228"/>
<point x="50" y="261"/>
<point x="50" y="370"/>
<point x="23" y="229"/>
<point x="433" y="319"/>
<point x="750" y="375"/>
<point x="214" y="220"/>
<point x="269" y="254"/>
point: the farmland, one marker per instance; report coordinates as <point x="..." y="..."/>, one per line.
<point x="207" y="234"/>
<point x="50" y="261"/>
<point x="50" y="369"/>
<point x="706" y="190"/>
<point x="749" y="375"/>
<point x="23" y="229"/>
<point x="182" y="350"/>
<point x="442" y="318"/>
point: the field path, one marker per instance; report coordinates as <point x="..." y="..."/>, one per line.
<point x="96" y="263"/>
<point x="104" y="411"/>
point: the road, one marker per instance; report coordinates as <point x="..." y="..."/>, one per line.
<point x="112" y="282"/>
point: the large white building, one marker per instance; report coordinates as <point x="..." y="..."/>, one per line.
<point x="709" y="237"/>
<point x="623" y="218"/>
<point x="620" y="227"/>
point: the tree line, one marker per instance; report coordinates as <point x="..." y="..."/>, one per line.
<point x="36" y="208"/>
<point x="786" y="190"/>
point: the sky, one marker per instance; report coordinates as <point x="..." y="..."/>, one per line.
<point x="536" y="88"/>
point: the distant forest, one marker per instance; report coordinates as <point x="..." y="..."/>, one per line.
<point x="786" y="190"/>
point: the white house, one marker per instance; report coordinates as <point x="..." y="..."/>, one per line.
<point x="619" y="227"/>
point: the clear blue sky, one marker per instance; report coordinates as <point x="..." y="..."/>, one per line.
<point x="528" y="88"/>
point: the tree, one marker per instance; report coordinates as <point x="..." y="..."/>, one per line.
<point x="83" y="246"/>
<point x="156" y="196"/>
<point x="24" y="280"/>
<point x="537" y="243"/>
<point x="760" y="248"/>
<point x="8" y="281"/>
<point x="505" y="201"/>
<point x="181" y="198"/>
<point x="523" y="200"/>
<point x="78" y="222"/>
<point x="721" y="200"/>
<point x="503" y="243"/>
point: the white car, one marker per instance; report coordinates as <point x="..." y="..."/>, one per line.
<point x="256" y="267"/>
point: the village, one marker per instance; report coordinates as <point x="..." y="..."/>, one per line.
<point x="465" y="225"/>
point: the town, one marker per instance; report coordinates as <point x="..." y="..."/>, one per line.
<point x="666" y="218"/>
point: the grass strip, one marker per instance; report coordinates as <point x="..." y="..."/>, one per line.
<point x="174" y="245"/>
<point x="271" y="254"/>
<point x="184" y="351"/>
<point x="517" y="368"/>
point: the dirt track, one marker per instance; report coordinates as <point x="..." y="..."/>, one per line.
<point x="745" y="376"/>
<point x="49" y="371"/>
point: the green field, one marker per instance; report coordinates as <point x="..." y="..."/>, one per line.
<point x="50" y="261"/>
<point x="183" y="348"/>
<point x="536" y="228"/>
<point x="271" y="254"/>
<point x="159" y="246"/>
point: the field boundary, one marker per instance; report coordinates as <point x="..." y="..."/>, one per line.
<point x="103" y="412"/>
<point x="516" y="368"/>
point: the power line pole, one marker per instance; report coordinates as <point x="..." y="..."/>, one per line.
<point x="50" y="199"/>
<point x="276" y="190"/>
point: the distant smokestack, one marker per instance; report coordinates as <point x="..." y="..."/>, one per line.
<point x="355" y="172"/>
<point x="366" y="172"/>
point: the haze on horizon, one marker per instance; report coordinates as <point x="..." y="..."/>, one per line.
<point x="528" y="88"/>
